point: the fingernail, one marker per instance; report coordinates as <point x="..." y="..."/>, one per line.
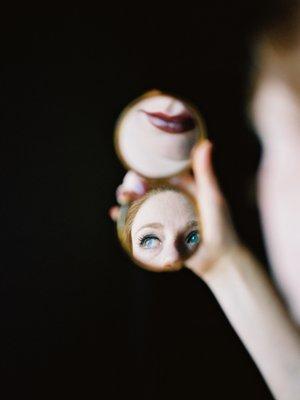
<point x="123" y="198"/>
<point x="140" y="188"/>
<point x="113" y="212"/>
<point x="206" y="142"/>
<point x="135" y="183"/>
<point x="199" y="146"/>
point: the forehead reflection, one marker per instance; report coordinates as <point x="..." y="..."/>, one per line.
<point x="164" y="229"/>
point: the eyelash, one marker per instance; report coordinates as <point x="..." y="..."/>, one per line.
<point x="191" y="234"/>
<point x="142" y="239"/>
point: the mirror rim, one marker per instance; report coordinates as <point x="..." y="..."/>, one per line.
<point x="121" y="221"/>
<point x="148" y="94"/>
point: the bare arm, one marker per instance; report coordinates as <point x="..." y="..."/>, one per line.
<point x="256" y="313"/>
<point x="243" y="290"/>
<point x="238" y="282"/>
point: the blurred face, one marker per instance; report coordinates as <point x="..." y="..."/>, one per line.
<point x="165" y="230"/>
<point x="158" y="132"/>
<point x="274" y="98"/>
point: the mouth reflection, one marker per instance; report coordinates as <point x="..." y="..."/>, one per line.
<point x="179" y="123"/>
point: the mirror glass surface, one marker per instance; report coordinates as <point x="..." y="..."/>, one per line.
<point x="161" y="229"/>
<point x="155" y="134"/>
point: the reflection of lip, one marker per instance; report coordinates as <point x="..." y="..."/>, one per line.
<point x="171" y="123"/>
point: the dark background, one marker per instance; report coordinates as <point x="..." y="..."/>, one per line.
<point x="78" y="319"/>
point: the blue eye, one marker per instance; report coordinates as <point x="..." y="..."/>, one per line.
<point x="149" y="241"/>
<point x="192" y="239"/>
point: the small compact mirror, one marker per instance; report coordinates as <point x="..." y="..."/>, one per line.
<point x="161" y="229"/>
<point x="155" y="134"/>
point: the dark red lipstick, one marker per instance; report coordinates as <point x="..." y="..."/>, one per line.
<point x="179" y="123"/>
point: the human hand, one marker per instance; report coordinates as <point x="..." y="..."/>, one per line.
<point x="135" y="186"/>
<point x="132" y="187"/>
<point x="219" y="238"/>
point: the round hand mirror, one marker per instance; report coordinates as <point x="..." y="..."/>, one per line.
<point x="158" y="225"/>
<point x="155" y="133"/>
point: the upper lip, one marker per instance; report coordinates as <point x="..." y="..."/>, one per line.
<point x="178" y="123"/>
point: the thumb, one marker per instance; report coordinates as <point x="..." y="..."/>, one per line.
<point x="214" y="214"/>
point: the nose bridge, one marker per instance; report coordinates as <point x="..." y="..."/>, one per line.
<point x="172" y="254"/>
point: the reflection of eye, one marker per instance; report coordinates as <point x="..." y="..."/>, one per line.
<point x="149" y="241"/>
<point x="192" y="239"/>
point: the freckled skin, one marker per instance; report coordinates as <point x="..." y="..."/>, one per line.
<point x="172" y="212"/>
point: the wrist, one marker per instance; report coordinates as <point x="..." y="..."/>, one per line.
<point x="226" y="264"/>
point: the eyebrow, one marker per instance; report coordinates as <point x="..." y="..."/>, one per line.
<point x="157" y="225"/>
<point x="192" y="224"/>
<point x="152" y="225"/>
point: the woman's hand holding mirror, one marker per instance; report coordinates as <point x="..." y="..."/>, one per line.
<point x="158" y="220"/>
<point x="219" y="238"/>
<point x="155" y="134"/>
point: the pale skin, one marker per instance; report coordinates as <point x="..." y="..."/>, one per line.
<point x="240" y="284"/>
<point x="242" y="288"/>
<point x="275" y="112"/>
<point x="146" y="147"/>
<point x="164" y="231"/>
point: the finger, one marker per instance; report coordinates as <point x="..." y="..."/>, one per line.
<point x="114" y="213"/>
<point x="184" y="181"/>
<point x="124" y="198"/>
<point x="205" y="177"/>
<point x="133" y="182"/>
<point x="132" y="187"/>
<point x="200" y="261"/>
<point x="212" y="206"/>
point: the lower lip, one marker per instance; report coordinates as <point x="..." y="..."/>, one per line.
<point x="180" y="124"/>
